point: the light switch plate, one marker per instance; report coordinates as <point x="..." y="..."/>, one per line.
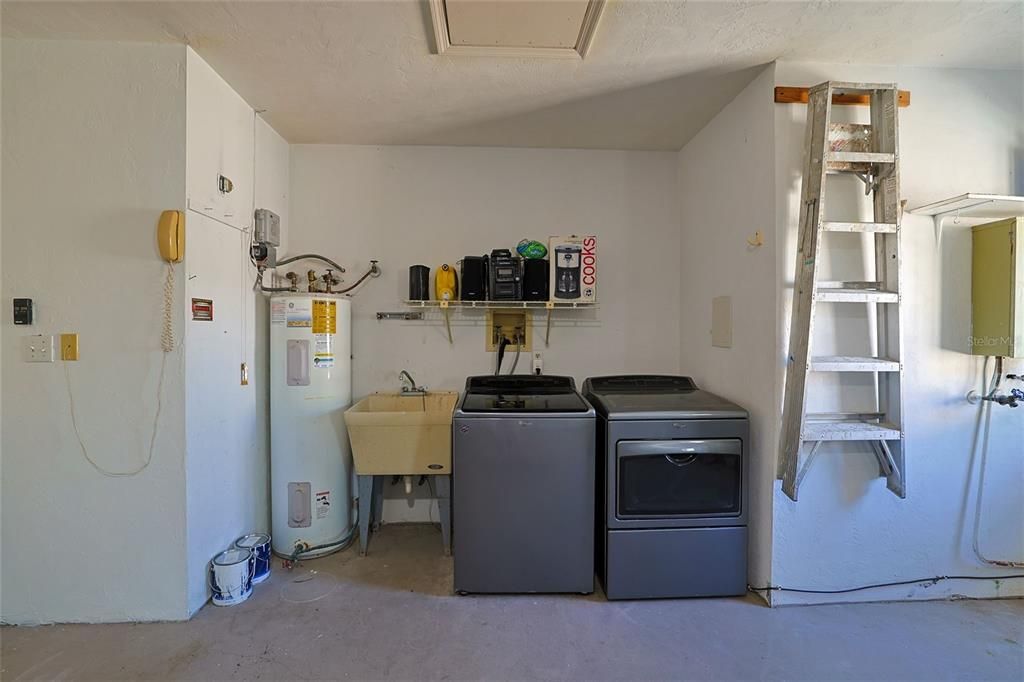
<point x="38" y="348"/>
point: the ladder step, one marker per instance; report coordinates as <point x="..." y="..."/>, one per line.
<point x="852" y="292"/>
<point x="850" y="363"/>
<point x="861" y="157"/>
<point x="846" y="416"/>
<point x="848" y="86"/>
<point x="859" y="227"/>
<point x="848" y="430"/>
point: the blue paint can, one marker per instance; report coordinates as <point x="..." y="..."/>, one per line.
<point x="259" y="544"/>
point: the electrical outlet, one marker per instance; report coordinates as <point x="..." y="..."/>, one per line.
<point x="38" y="348"/>
<point x="69" y="347"/>
<point x="538" y="363"/>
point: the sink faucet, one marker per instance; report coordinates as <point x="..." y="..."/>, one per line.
<point x="412" y="388"/>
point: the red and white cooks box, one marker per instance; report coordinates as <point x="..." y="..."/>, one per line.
<point x="573" y="268"/>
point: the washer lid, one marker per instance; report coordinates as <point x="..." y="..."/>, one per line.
<point x="520" y="383"/>
<point x="639" y="383"/>
<point x="657" y="397"/>
<point x="524" y="402"/>
<point x="522" y="393"/>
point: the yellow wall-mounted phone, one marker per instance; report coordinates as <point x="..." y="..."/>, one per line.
<point x="170" y="235"/>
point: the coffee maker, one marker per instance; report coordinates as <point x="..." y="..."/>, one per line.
<point x="567" y="271"/>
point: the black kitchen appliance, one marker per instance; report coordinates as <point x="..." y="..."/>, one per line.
<point x="474" y="278"/>
<point x="567" y="271"/>
<point x="535" y="279"/>
<point x="506" y="276"/>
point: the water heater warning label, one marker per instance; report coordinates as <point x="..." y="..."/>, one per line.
<point x="325" y="317"/>
<point x="278" y="312"/>
<point x="323" y="504"/>
<point x="323" y="352"/>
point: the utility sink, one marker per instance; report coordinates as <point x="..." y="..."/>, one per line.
<point x="402" y="435"/>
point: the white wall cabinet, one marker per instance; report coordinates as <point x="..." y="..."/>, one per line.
<point x="220" y="135"/>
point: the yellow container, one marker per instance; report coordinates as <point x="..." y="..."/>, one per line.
<point x="446" y="283"/>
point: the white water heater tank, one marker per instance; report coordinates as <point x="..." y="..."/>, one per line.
<point x="310" y="389"/>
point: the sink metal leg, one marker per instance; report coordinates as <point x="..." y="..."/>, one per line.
<point x="365" y="505"/>
<point x="444" y="506"/>
<point x="378" y="502"/>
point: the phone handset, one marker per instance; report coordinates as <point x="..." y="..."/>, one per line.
<point x="170" y="237"/>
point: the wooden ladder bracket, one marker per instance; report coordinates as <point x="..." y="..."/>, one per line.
<point x="792" y="95"/>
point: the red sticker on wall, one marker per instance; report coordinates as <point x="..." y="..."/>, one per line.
<point x="202" y="310"/>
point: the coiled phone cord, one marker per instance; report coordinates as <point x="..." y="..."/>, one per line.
<point x="168" y="346"/>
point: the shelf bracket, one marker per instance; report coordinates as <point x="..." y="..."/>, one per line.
<point x="547" y="333"/>
<point x="939" y="219"/>
<point x="447" y="321"/>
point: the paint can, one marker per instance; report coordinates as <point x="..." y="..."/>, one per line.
<point x="231" y="576"/>
<point x="259" y="543"/>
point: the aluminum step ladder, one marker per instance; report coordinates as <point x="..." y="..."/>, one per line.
<point x="871" y="152"/>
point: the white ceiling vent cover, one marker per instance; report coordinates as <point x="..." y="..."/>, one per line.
<point x="515" y="28"/>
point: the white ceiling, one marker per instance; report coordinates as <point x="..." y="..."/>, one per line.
<point x="364" y="72"/>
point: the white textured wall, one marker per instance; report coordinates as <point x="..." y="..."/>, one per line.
<point x="429" y="205"/>
<point x="962" y="133"/>
<point x="726" y="194"/>
<point x="227" y="423"/>
<point x="223" y="469"/>
<point x="93" y="150"/>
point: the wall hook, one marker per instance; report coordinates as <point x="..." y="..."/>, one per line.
<point x="756" y="240"/>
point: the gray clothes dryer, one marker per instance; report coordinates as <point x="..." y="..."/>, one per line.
<point x="671" y="494"/>
<point x="523" y="486"/>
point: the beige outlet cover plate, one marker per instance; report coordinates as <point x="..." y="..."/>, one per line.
<point x="508" y="321"/>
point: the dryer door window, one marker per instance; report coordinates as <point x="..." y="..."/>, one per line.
<point x="675" y="478"/>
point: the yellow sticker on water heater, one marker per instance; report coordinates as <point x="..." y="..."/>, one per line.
<point x="325" y="317"/>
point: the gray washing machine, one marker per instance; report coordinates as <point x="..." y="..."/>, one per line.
<point x="523" y="476"/>
<point x="673" y="463"/>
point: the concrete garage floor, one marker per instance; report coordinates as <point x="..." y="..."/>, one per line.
<point x="391" y="616"/>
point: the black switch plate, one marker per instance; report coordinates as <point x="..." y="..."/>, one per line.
<point x="23" y="311"/>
